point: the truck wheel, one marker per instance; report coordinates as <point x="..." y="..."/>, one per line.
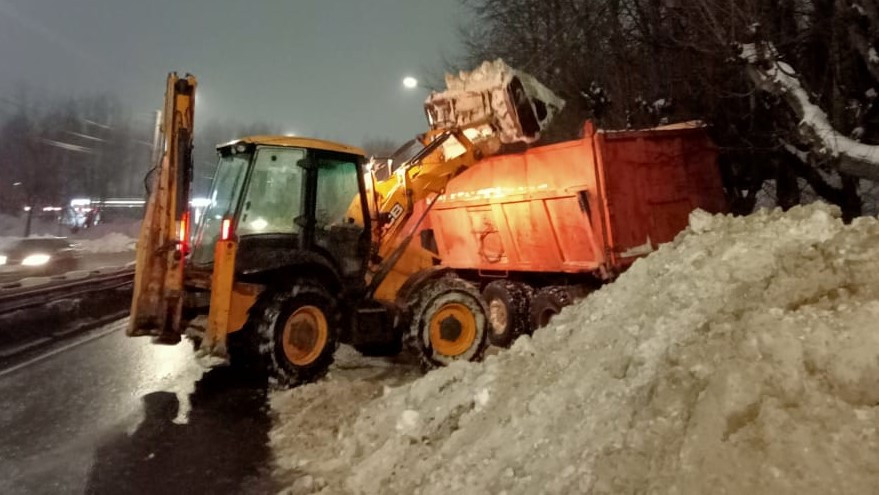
<point x="508" y="311"/>
<point x="547" y="303"/>
<point x="448" y="322"/>
<point x="298" y="330"/>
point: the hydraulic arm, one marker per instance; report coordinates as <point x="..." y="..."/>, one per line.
<point x="164" y="238"/>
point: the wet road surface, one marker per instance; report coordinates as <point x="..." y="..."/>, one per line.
<point x="93" y="261"/>
<point x="120" y="415"/>
<point x="88" y="262"/>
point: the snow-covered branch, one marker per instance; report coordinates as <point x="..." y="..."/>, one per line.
<point x="779" y="78"/>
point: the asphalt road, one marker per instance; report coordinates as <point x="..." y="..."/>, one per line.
<point x="89" y="261"/>
<point x="93" y="261"/>
<point x="112" y="414"/>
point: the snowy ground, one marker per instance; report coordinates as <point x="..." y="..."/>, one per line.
<point x="741" y="358"/>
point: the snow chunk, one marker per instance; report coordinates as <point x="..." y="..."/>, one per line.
<point x="700" y="221"/>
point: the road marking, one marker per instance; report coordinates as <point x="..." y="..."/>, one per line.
<point x="112" y="327"/>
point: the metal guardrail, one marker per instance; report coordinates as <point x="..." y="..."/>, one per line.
<point x="12" y="299"/>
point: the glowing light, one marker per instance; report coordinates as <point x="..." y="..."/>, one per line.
<point x="259" y="224"/>
<point x="410" y="82"/>
<point x="200" y="202"/>
<point x="36" y="260"/>
<point x="2" y="259"/>
<point x="80" y="202"/>
<point x="183" y="233"/>
<point x="226" y="229"/>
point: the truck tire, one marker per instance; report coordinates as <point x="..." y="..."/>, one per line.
<point x="547" y="303"/>
<point x="448" y="322"/>
<point x="509" y="305"/>
<point x="297" y="331"/>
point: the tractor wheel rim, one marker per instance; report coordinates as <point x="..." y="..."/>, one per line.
<point x="305" y="335"/>
<point x="498" y="315"/>
<point x="463" y="334"/>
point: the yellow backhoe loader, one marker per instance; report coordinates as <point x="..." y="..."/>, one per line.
<point x="305" y="243"/>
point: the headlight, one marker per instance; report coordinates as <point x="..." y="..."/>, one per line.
<point x="35" y="260"/>
<point x="2" y="259"/>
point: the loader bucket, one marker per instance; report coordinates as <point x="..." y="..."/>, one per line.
<point x="496" y="99"/>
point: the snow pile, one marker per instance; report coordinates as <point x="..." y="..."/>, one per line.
<point x="741" y="358"/>
<point x="114" y="242"/>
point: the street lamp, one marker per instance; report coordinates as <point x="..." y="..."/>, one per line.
<point x="410" y="82"/>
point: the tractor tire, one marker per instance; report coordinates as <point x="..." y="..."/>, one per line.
<point x="297" y="332"/>
<point x="547" y="303"/>
<point x="448" y="324"/>
<point x="509" y="305"/>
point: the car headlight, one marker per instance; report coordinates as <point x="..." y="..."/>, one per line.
<point x="36" y="260"/>
<point x="2" y="259"/>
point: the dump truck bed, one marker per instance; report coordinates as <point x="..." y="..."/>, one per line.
<point x="589" y="205"/>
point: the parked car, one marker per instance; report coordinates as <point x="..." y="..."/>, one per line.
<point x="38" y="256"/>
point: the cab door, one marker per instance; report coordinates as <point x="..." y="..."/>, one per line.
<point x="336" y="231"/>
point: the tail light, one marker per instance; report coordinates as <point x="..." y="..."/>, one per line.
<point x="183" y="234"/>
<point x="226" y="229"/>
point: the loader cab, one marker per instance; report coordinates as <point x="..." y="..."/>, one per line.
<point x="288" y="202"/>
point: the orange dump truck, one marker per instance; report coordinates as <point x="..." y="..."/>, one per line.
<point x="538" y="229"/>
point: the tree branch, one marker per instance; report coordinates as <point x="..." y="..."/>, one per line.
<point x="776" y="77"/>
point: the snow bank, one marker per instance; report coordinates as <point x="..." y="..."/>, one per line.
<point x="741" y="358"/>
<point x="113" y="242"/>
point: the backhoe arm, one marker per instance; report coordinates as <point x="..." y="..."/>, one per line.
<point x="164" y="235"/>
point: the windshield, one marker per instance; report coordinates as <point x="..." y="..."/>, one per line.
<point x="275" y="193"/>
<point x="224" y="197"/>
<point x="384" y="167"/>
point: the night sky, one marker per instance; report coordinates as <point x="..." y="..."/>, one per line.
<point x="323" y="68"/>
